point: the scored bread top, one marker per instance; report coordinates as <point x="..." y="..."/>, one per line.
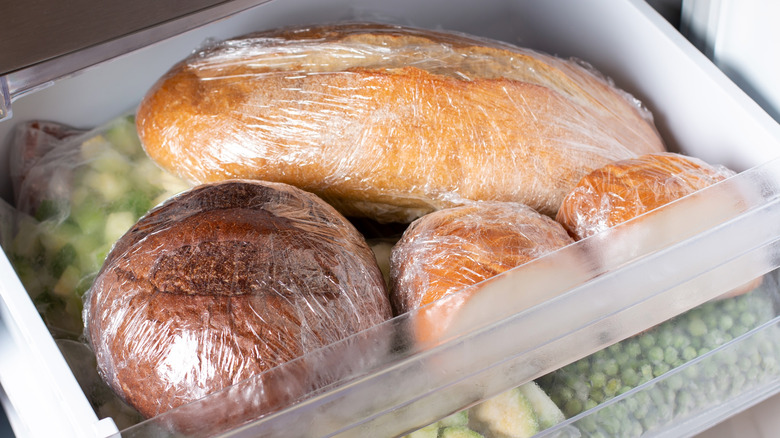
<point x="222" y="283"/>
<point x="390" y="122"/>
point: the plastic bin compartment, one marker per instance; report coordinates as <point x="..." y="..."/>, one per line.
<point x="695" y="396"/>
<point x="679" y="377"/>
<point x="717" y="241"/>
<point x="410" y="385"/>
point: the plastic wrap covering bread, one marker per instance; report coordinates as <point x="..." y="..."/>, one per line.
<point x="391" y="122"/>
<point x="449" y="250"/>
<point x="626" y="189"/>
<point x="76" y="192"/>
<point x="223" y="282"/>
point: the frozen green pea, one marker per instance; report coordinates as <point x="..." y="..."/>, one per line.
<point x="655" y="354"/>
<point x="697" y="327"/>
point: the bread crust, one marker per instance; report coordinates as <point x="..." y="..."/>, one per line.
<point x="620" y="191"/>
<point x="446" y="252"/>
<point x="390" y="122"/>
<point x="222" y="283"/>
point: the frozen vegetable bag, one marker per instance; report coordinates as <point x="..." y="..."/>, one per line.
<point x="76" y="192"/>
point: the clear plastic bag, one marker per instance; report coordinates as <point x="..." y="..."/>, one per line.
<point x="76" y="192"/>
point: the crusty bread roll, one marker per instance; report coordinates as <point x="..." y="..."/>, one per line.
<point x="451" y="249"/>
<point x="390" y="122"/>
<point x="223" y="282"/>
<point x="625" y="189"/>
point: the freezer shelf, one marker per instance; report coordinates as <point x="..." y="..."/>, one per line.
<point x="641" y="47"/>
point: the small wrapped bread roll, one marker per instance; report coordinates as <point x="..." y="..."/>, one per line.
<point x="449" y="250"/>
<point x="628" y="188"/>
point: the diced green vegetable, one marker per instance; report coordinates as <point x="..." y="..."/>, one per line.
<point x="89" y="216"/>
<point x="93" y="147"/>
<point x="430" y="431"/>
<point x="457" y="419"/>
<point x="547" y="413"/>
<point x="49" y="209"/>
<point x="516" y="413"/>
<point x="27" y="244"/>
<point x="117" y="224"/>
<point x="124" y="138"/>
<point x="67" y="282"/>
<point x="112" y="183"/>
<point x="508" y="415"/>
<point x="64" y="258"/>
<point x="109" y="185"/>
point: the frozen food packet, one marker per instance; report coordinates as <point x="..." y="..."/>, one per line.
<point x="74" y="200"/>
<point x="224" y="282"/>
<point x="32" y="140"/>
<point x="391" y="122"/>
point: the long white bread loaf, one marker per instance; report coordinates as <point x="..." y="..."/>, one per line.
<point x="391" y="122"/>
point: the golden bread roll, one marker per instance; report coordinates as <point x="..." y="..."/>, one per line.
<point x="451" y="249"/>
<point x="390" y="122"/>
<point x="222" y="283"/>
<point x="628" y="188"/>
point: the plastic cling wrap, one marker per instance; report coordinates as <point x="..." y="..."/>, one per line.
<point x="223" y="282"/>
<point x="76" y="192"/>
<point x="628" y="188"/>
<point x="449" y="250"/>
<point x="391" y="122"/>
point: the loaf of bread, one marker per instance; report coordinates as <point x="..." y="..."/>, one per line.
<point x="222" y="283"/>
<point x="627" y="188"/>
<point x="391" y="122"/>
<point x="451" y="249"/>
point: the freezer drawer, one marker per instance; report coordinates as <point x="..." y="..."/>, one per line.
<point x="678" y="258"/>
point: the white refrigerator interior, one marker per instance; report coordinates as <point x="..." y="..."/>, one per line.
<point x="735" y="36"/>
<point x="685" y="255"/>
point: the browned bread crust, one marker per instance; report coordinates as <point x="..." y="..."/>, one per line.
<point x="628" y="188"/>
<point x="449" y="250"/>
<point x="222" y="283"/>
<point x="390" y="122"/>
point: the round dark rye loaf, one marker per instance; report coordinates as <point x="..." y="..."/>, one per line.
<point x="391" y="122"/>
<point x="222" y="283"/>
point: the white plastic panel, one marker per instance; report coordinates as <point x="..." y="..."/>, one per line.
<point x="741" y="38"/>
